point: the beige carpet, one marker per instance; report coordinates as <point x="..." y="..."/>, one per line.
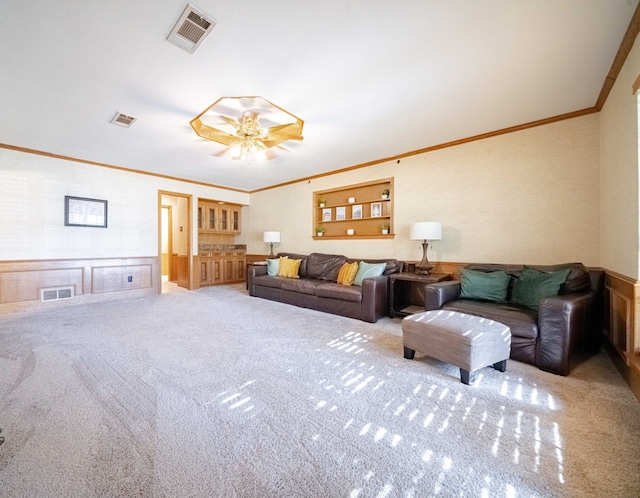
<point x="215" y="393"/>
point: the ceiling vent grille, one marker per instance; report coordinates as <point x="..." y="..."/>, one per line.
<point x="122" y="120"/>
<point x="56" y="293"/>
<point x="192" y="28"/>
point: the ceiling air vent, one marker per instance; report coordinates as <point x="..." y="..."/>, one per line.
<point x="122" y="120"/>
<point x="192" y="28"/>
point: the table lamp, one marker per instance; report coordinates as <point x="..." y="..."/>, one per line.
<point x="424" y="231"/>
<point x="271" y="237"/>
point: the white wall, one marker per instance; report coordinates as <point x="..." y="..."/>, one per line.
<point x="619" y="173"/>
<point x="32" y="191"/>
<point x="526" y="197"/>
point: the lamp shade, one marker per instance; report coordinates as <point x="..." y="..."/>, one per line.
<point x="426" y="230"/>
<point x="272" y="236"/>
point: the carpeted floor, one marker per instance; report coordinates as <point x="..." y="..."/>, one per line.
<point x="215" y="393"/>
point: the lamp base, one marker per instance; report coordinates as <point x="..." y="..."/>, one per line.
<point x="424" y="267"/>
<point x="271" y="255"/>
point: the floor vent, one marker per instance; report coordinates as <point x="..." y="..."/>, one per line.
<point x="122" y="120"/>
<point x="191" y="29"/>
<point x="56" y="293"/>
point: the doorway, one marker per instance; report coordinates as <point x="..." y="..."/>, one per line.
<point x="174" y="240"/>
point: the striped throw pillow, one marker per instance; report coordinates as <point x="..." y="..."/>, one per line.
<point x="347" y="273"/>
<point x="289" y="267"/>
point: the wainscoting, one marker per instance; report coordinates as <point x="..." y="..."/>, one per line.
<point x="21" y="282"/>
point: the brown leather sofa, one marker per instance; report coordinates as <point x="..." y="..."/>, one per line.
<point x="563" y="330"/>
<point x="317" y="287"/>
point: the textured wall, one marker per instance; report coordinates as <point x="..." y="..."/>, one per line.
<point x="531" y="196"/>
<point x="619" y="170"/>
<point x="32" y="190"/>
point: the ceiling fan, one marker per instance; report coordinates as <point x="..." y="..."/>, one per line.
<point x="237" y="122"/>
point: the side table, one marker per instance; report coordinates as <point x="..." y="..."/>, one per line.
<point x="407" y="291"/>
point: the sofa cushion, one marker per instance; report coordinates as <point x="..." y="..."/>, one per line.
<point x="267" y="281"/>
<point x="347" y="273"/>
<point x="302" y="271"/>
<point x="533" y="285"/>
<point x="486" y="286"/>
<point x="273" y="265"/>
<point x="302" y="285"/>
<point x="523" y="322"/>
<point x="288" y="267"/>
<point x="338" y="291"/>
<point x="324" y="266"/>
<point x="366" y="270"/>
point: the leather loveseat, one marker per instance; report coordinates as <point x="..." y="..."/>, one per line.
<point x="555" y="333"/>
<point x="317" y="286"/>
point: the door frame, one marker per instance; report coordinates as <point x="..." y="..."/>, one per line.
<point x="188" y="198"/>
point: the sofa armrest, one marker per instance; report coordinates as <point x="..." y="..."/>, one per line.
<point x="254" y="271"/>
<point x="375" y="298"/>
<point x="562" y="330"/>
<point x="438" y="294"/>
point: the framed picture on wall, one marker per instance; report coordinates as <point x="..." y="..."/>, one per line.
<point x="83" y="212"/>
<point x="341" y="213"/>
<point x="356" y="211"/>
<point x="376" y="209"/>
<point x="326" y="214"/>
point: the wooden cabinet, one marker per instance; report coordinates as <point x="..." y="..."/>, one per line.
<point x="361" y="211"/>
<point x="222" y="268"/>
<point x="214" y="217"/>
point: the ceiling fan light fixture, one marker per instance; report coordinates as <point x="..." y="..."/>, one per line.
<point x="247" y="124"/>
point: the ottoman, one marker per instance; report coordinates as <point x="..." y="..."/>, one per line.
<point x="469" y="342"/>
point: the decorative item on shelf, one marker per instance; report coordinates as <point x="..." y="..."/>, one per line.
<point x="385" y="229"/>
<point x="385" y="193"/>
<point x="350" y="231"/>
<point x="272" y="238"/>
<point x="322" y="202"/>
<point x="351" y="200"/>
<point x="319" y="231"/>
<point x="425" y="230"/>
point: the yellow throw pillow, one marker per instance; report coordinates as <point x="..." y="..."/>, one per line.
<point x="347" y="273"/>
<point x="289" y="267"/>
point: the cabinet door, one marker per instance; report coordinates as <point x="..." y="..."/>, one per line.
<point x="201" y="213"/>
<point x="240" y="269"/>
<point x="211" y="222"/>
<point x="235" y="220"/>
<point x="205" y="271"/>
<point x="216" y="271"/>
<point x="228" y="269"/>
<point x="225" y="223"/>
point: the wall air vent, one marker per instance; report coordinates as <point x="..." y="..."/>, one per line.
<point x="192" y="28"/>
<point x="56" y="293"/>
<point x="122" y="120"/>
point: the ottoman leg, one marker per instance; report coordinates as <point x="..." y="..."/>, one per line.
<point x="409" y="353"/>
<point x="501" y="366"/>
<point x="467" y="377"/>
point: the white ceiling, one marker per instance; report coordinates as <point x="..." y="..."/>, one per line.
<point x="370" y="78"/>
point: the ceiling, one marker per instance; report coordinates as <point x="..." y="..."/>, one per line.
<point x="370" y="78"/>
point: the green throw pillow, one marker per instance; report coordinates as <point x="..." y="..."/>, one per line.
<point x="366" y="270"/>
<point x="273" y="266"/>
<point x="533" y="285"/>
<point x="488" y="286"/>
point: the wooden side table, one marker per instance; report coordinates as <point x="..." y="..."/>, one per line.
<point x="407" y="291"/>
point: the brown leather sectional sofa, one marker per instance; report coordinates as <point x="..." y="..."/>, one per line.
<point x="554" y="337"/>
<point x="317" y="287"/>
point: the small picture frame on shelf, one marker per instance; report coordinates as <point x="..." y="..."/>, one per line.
<point x="376" y="209"/>
<point x="356" y="211"/>
<point x="341" y="213"/>
<point x="326" y="214"/>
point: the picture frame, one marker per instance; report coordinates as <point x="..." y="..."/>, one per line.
<point x="326" y="214"/>
<point x="376" y="209"/>
<point x="356" y="211"/>
<point x="85" y="212"/>
<point x="341" y="213"/>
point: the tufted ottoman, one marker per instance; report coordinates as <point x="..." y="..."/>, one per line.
<point x="466" y="341"/>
